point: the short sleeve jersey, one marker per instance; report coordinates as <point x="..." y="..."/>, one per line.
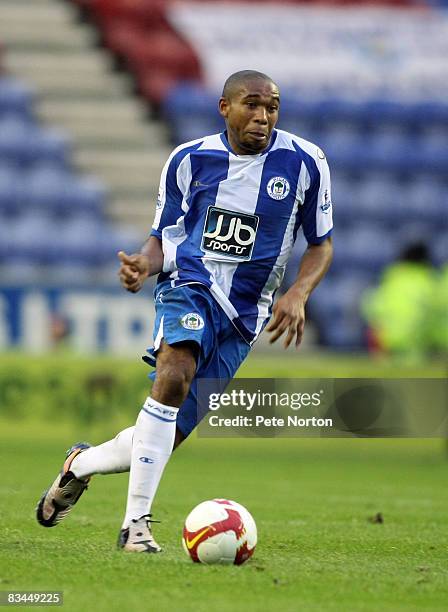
<point x="229" y="221"/>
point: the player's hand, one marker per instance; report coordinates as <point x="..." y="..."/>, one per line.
<point x="134" y="270"/>
<point x="288" y="316"/>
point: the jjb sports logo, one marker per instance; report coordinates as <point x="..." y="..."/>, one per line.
<point x="229" y="233"/>
<point x="278" y="188"/>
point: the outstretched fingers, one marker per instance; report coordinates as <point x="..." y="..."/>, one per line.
<point x="286" y="319"/>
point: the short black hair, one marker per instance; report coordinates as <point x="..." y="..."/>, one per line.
<point x="237" y="78"/>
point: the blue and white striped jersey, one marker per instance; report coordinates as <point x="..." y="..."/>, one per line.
<point x="229" y="221"/>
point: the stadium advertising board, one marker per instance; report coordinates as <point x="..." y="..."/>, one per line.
<point x="37" y="319"/>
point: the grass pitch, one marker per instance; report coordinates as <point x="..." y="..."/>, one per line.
<point x="315" y="502"/>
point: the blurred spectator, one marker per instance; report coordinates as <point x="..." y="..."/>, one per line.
<point x="439" y="327"/>
<point x="400" y="311"/>
<point x="59" y="331"/>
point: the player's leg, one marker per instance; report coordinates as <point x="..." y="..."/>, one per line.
<point x="111" y="457"/>
<point x="153" y="441"/>
<point x="115" y="455"/>
<point x="184" y="318"/>
<point x="83" y="461"/>
<point x="221" y="366"/>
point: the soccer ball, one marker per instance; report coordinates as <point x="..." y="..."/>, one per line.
<point x="219" y="531"/>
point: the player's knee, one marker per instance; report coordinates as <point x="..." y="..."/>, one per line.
<point x="175" y="372"/>
<point x="172" y="385"/>
<point x="178" y="375"/>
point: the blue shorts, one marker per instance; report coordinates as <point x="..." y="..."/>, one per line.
<point x="190" y="313"/>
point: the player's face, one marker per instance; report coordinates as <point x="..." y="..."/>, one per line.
<point x="251" y="114"/>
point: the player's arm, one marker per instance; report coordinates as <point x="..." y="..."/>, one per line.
<point x="289" y="311"/>
<point x="316" y="219"/>
<point x="136" y="268"/>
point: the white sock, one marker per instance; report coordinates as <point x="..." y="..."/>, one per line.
<point x="152" y="446"/>
<point x="112" y="457"/>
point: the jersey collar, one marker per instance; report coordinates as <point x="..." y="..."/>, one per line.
<point x="225" y="141"/>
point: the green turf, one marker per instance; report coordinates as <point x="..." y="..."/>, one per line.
<point x="311" y="499"/>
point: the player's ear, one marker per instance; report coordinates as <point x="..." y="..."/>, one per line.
<point x="223" y="107"/>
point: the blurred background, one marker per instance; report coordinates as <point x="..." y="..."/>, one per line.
<point x="95" y="93"/>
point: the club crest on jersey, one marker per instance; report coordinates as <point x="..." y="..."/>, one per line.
<point x="229" y="233"/>
<point x="192" y="320"/>
<point x="278" y="188"/>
